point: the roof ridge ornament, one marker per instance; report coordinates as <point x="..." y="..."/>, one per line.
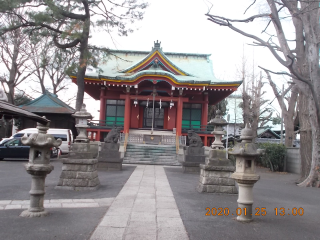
<point x="157" y="45"/>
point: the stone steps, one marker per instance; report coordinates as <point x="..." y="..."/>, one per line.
<point x="144" y="158"/>
<point x="140" y="154"/>
<point x="153" y="163"/>
<point x="150" y="154"/>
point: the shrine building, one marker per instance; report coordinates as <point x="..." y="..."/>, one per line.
<point x="155" y="92"/>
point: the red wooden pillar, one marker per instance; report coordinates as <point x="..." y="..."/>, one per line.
<point x="179" y="116"/>
<point x="204" y="114"/>
<point x="102" y="116"/>
<point x="127" y="106"/>
<point x="98" y="134"/>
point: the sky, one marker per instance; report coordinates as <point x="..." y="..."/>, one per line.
<point x="181" y="26"/>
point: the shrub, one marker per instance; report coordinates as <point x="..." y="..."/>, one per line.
<point x="273" y="157"/>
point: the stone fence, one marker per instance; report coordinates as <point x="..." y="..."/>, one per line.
<point x="296" y="142"/>
<point x="293" y="161"/>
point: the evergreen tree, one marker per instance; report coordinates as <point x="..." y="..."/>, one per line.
<point x="69" y="24"/>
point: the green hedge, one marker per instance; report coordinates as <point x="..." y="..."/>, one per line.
<point x="274" y="155"/>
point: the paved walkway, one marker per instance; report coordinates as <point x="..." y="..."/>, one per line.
<point x="58" y="203"/>
<point x="144" y="209"/>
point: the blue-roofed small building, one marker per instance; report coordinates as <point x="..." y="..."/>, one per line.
<point x="156" y="90"/>
<point x="55" y="110"/>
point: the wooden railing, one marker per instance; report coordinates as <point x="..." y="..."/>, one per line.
<point x="199" y="128"/>
<point x="125" y="142"/>
<point x="131" y="138"/>
<point x="177" y="144"/>
<point x="103" y="124"/>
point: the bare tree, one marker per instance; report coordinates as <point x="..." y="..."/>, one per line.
<point x="301" y="60"/>
<point x="69" y="24"/>
<point x="254" y="108"/>
<point x="14" y="54"/>
<point x="288" y="110"/>
<point x="52" y="65"/>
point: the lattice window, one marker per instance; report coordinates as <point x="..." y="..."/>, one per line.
<point x="115" y="112"/>
<point x="191" y="116"/>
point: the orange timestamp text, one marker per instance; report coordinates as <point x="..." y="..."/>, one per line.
<point x="258" y="212"/>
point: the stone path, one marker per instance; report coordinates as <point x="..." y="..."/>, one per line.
<point x="144" y="209"/>
<point x="58" y="203"/>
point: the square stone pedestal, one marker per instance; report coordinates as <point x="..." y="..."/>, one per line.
<point x="110" y="157"/>
<point x="84" y="150"/>
<point x="215" y="174"/>
<point x="79" y="174"/>
<point x="79" y="171"/>
<point x="192" y="158"/>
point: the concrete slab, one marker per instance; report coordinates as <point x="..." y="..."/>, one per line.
<point x="136" y="210"/>
<point x="119" y="221"/>
<point x="273" y="190"/>
<point x="108" y="233"/>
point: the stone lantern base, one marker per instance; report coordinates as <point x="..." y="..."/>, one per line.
<point x="79" y="171"/>
<point x="192" y="158"/>
<point x="38" y="173"/>
<point x="215" y="174"/>
<point x="110" y="157"/>
<point x="84" y="150"/>
<point x="79" y="174"/>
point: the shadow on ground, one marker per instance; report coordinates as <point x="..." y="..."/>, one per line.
<point x="273" y="190"/>
<point x="63" y="223"/>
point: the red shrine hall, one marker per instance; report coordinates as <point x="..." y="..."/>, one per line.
<point x="156" y="92"/>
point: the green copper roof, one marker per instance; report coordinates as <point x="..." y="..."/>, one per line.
<point x="48" y="103"/>
<point x="261" y="131"/>
<point x="197" y="68"/>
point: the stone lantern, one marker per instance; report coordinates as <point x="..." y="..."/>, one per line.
<point x="215" y="173"/>
<point x="79" y="170"/>
<point x="218" y="123"/>
<point x="245" y="153"/>
<point x="38" y="167"/>
<point x="82" y="117"/>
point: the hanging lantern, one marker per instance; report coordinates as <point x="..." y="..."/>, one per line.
<point x="135" y="102"/>
<point x="171" y="104"/>
<point x="160" y="103"/>
<point x="147" y="103"/>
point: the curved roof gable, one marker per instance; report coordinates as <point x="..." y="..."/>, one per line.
<point x="48" y="103"/>
<point x="156" y="60"/>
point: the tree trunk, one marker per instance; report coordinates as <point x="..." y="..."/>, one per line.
<point x="309" y="144"/>
<point x="289" y="130"/>
<point x="289" y="116"/>
<point x="13" y="71"/>
<point x="305" y="137"/>
<point x="82" y="64"/>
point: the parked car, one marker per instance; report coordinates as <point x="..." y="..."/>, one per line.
<point x="64" y="134"/>
<point x="3" y="140"/>
<point x="13" y="148"/>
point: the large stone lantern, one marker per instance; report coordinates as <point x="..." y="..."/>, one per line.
<point x="218" y="123"/>
<point x="215" y="173"/>
<point x="38" y="167"/>
<point x="245" y="153"/>
<point x="79" y="170"/>
<point x="82" y="117"/>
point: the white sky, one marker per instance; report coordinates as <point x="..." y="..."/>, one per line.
<point x="181" y="26"/>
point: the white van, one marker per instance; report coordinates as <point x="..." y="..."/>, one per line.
<point x="64" y="134"/>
